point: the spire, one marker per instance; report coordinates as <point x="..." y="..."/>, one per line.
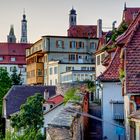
<point x="11" y="37"/>
<point x="125" y="6"/>
<point x="23" y="29"/>
<point x="72" y="17"/>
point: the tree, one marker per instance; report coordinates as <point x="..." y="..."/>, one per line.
<point x="71" y="95"/>
<point x="5" y="85"/>
<point x="16" y="78"/>
<point x="30" y="117"/>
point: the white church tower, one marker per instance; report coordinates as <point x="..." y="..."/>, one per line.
<point x="23" y="29"/>
<point x="72" y="17"/>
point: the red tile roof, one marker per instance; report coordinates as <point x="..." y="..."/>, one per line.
<point x="17" y="50"/>
<point x="112" y="71"/>
<point x="128" y="14"/>
<point x="131" y="42"/>
<point x="83" y="31"/>
<point x="56" y="99"/>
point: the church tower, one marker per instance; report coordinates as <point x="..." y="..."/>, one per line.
<point x="72" y="17"/>
<point x="23" y="29"/>
<point x="11" y="37"/>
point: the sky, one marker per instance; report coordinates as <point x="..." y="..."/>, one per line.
<point x="51" y="17"/>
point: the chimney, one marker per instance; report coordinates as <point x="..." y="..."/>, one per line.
<point x="99" y="28"/>
<point x="46" y="94"/>
<point x="113" y="24"/>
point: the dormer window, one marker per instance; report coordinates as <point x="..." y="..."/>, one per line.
<point x="13" y="59"/>
<point x="134" y="15"/>
<point x="1" y="58"/>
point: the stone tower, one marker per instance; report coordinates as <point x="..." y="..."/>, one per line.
<point x="11" y="37"/>
<point x="23" y="29"/>
<point x="72" y="17"/>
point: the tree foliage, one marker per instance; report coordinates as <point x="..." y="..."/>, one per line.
<point x="26" y="136"/>
<point x="71" y="95"/>
<point x="123" y="27"/>
<point x="5" y="85"/>
<point x="16" y="78"/>
<point x="30" y="115"/>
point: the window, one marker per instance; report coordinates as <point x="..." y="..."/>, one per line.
<point x="1" y="58"/>
<point x="102" y="57"/>
<point x="39" y="72"/>
<point x="13" y="59"/>
<point x="92" y="68"/>
<point x="134" y="15"/>
<point x="50" y="82"/>
<point x="51" y="72"/>
<point x="45" y="71"/>
<point x="68" y="69"/>
<point x="98" y="60"/>
<point x="59" y="44"/>
<point x="83" y="68"/>
<point x="93" y="45"/>
<point x="32" y="73"/>
<point x="81" y="44"/>
<point x="44" y="108"/>
<point x="23" y="69"/>
<point x="12" y="68"/>
<point x="118" y="110"/>
<point x="72" y="57"/>
<point x="73" y="44"/>
<point x="55" y="81"/>
<point x="86" y="57"/>
<point x="55" y="70"/>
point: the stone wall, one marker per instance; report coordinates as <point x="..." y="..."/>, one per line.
<point x="62" y="88"/>
<point x="69" y="125"/>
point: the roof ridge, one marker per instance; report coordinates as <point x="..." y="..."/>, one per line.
<point x="130" y="29"/>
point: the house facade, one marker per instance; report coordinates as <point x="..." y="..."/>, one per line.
<point x="59" y="54"/>
<point x="111" y="99"/>
<point x="129" y="44"/>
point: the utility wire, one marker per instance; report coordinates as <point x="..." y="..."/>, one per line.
<point x="93" y="117"/>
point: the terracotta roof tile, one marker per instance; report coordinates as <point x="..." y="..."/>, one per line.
<point x="56" y="99"/>
<point x="128" y="14"/>
<point x="18" y="50"/>
<point x="131" y="42"/>
<point x="112" y="71"/>
<point x="83" y="31"/>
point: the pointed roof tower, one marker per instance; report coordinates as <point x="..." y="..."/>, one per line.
<point x="72" y="17"/>
<point x="23" y="29"/>
<point x="11" y="37"/>
<point x="124" y="6"/>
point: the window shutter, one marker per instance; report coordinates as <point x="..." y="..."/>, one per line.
<point x="63" y="44"/>
<point x="77" y="45"/>
<point x="56" y="44"/>
<point x="76" y="57"/>
<point x="83" y="44"/>
<point x="70" y="44"/>
<point x="69" y="57"/>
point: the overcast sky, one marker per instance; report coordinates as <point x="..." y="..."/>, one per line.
<point x="51" y="17"/>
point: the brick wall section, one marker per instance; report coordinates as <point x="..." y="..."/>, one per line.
<point x="86" y="119"/>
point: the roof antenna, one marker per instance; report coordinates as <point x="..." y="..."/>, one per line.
<point x="24" y="11"/>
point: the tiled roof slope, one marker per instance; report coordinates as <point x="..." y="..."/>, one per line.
<point x="112" y="71"/>
<point x="18" y="50"/>
<point x="133" y="64"/>
<point x="131" y="42"/>
<point x="128" y="14"/>
<point x="18" y="95"/>
<point x="56" y="99"/>
<point x="83" y="31"/>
